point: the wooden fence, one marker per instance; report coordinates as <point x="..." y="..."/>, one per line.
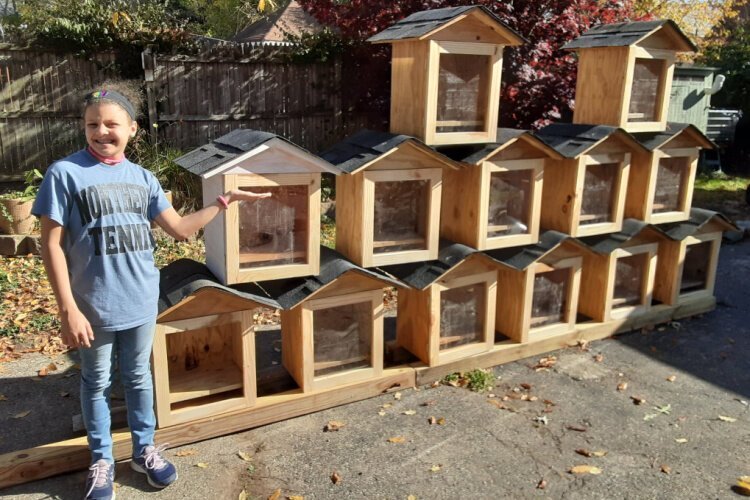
<point x="191" y="99"/>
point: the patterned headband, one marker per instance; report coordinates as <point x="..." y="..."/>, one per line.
<point x="113" y="96"/>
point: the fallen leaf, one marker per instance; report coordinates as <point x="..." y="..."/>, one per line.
<point x="397" y="439"/>
<point x="202" y="465"/>
<point x="681" y="440"/>
<point x="333" y="426"/>
<point x="411" y="497"/>
<point x="671" y="378"/>
<point x="585" y="469"/>
<point x="546" y="362"/>
<point x="665" y="409"/>
<point x="432" y="420"/>
<point x="436" y="468"/>
<point x="3" y="397"/>
<point x="598" y="358"/>
<point x="441" y="421"/>
<point x="275" y="495"/>
<point x="64" y="394"/>
<point x="727" y="419"/>
<point x="666" y="469"/>
<point x="637" y="400"/>
<point x="245" y="456"/>
<point x="22" y="414"/>
<point x="650" y="416"/>
<point x="295" y="497"/>
<point x="588" y="453"/>
<point x="541" y="420"/>
<point x="541" y="484"/>
<point x="410" y="412"/>
<point x="186" y="453"/>
<point x="387" y="405"/>
<point x="743" y="485"/>
<point x="336" y="478"/>
<point x="497" y="403"/>
<point x="242" y="495"/>
<point x="397" y="396"/>
<point x="576" y="428"/>
<point x="430" y="402"/>
<point x="526" y="386"/>
<point x="622" y="386"/>
<point x="381" y="413"/>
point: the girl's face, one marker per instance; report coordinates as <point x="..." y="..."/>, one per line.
<point x="108" y="128"/>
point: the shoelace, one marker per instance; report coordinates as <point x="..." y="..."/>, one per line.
<point x="99" y="476"/>
<point x="152" y="458"/>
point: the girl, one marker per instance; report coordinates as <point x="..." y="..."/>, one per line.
<point x="95" y="208"/>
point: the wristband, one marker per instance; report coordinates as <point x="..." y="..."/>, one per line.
<point x="223" y="202"/>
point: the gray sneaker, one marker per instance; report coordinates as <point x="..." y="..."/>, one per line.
<point x="100" y="481"/>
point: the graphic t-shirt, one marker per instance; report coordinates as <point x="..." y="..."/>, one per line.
<point x="105" y="211"/>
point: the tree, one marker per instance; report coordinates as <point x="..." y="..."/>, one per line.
<point x="539" y="77"/>
<point x="225" y="18"/>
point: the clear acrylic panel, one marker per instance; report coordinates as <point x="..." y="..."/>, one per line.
<point x="671" y="180"/>
<point x="463" y="86"/>
<point x="645" y="90"/>
<point x="550" y="297"/>
<point x="598" y="202"/>
<point x="401" y="216"/>
<point x="630" y="273"/>
<point x="462" y="315"/>
<point x="274" y="230"/>
<point x="342" y="338"/>
<point x="510" y="203"/>
<point x="695" y="268"/>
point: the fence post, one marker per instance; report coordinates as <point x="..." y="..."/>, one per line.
<point x="148" y="60"/>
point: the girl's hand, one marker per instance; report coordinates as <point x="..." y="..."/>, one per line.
<point x="76" y="329"/>
<point x="241" y="195"/>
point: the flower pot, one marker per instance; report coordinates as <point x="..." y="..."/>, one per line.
<point x="20" y="221"/>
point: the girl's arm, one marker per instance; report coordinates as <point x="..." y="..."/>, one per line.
<point x="182" y="228"/>
<point x="76" y="330"/>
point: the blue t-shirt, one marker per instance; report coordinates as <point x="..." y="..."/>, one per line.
<point x="105" y="211"/>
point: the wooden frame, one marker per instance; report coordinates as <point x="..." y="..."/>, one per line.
<point x="671" y="267"/>
<point x="644" y="181"/>
<point x="604" y="88"/>
<point x="202" y="391"/>
<point x="298" y="341"/>
<point x="565" y="195"/>
<point x="514" y="307"/>
<point x="467" y="195"/>
<point x="599" y="282"/>
<point x="419" y="321"/>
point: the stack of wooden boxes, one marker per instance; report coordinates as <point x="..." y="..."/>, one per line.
<point x="501" y="243"/>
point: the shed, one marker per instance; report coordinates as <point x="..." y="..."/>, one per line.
<point x="446" y="72"/>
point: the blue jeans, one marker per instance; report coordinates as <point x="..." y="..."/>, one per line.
<point x="132" y="347"/>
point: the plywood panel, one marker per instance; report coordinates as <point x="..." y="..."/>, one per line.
<point x="350" y="217"/>
<point x="559" y="196"/>
<point x="601" y="85"/>
<point x="409" y="76"/>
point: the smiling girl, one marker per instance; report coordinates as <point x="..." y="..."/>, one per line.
<point x="95" y="208"/>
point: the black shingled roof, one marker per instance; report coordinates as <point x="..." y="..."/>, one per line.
<point x="422" y="274"/>
<point x="653" y="140"/>
<point x="225" y="148"/>
<point x="182" y="278"/>
<point x="678" y="231"/>
<point x="608" y="243"/>
<point x="292" y="291"/>
<point x="423" y="22"/>
<point x="572" y="140"/>
<point x="623" y="34"/>
<point x="363" y="147"/>
<point x="504" y="135"/>
<point x="523" y="257"/>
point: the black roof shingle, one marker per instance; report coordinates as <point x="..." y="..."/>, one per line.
<point x="623" y="34"/>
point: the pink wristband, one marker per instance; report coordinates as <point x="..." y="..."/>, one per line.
<point x="222" y="201"/>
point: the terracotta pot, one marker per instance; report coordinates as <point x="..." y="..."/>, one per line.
<point x="20" y="213"/>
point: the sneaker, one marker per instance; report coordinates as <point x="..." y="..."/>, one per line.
<point x="99" y="483"/>
<point x="159" y="471"/>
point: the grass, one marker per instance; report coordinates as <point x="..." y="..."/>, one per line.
<point x="722" y="193"/>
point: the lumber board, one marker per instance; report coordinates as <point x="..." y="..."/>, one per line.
<point x="73" y="454"/>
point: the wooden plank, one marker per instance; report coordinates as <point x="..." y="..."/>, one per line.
<point x="602" y="85"/>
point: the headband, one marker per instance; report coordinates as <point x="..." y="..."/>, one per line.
<point x="113" y="96"/>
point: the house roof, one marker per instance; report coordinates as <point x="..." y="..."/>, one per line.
<point x="654" y="140"/>
<point x="358" y="150"/>
<point x="699" y="217"/>
<point x="185" y="277"/>
<point x="522" y="257"/>
<point x="608" y="243"/>
<point x="505" y="136"/>
<point x="572" y="140"/>
<point x="290" y="19"/>
<point x="629" y="33"/>
<point x="226" y="148"/>
<point x="290" y="292"/>
<point x="420" y="275"/>
<point x="423" y="23"/>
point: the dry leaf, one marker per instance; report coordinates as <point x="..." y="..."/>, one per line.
<point x="526" y="386"/>
<point x="335" y="478"/>
<point x="622" y="386"/>
<point x="637" y="400"/>
<point x="22" y="414"/>
<point x="588" y="453"/>
<point x="681" y="440"/>
<point x="387" y="405"/>
<point x="186" y="453"/>
<point x="295" y="497"/>
<point x="3" y="397"/>
<point x="666" y="469"/>
<point x="397" y="439"/>
<point x="410" y="412"/>
<point x="727" y="419"/>
<point x="598" y="358"/>
<point x="671" y="378"/>
<point x="245" y="456"/>
<point x="497" y="403"/>
<point x="430" y="402"/>
<point x="435" y="468"/>
<point x="743" y="485"/>
<point x="441" y="421"/>
<point x="411" y="497"/>
<point x="333" y="426"/>
<point x="432" y="420"/>
<point x="242" y="495"/>
<point x="576" y="428"/>
<point x="202" y="465"/>
<point x="585" y="469"/>
<point x="381" y="413"/>
<point x="64" y="394"/>
<point x="275" y="495"/>
<point x="397" y="396"/>
<point x="541" y="484"/>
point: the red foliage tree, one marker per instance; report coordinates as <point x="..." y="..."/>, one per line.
<point x="538" y="77"/>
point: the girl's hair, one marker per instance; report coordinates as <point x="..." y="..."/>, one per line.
<point x="130" y="89"/>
